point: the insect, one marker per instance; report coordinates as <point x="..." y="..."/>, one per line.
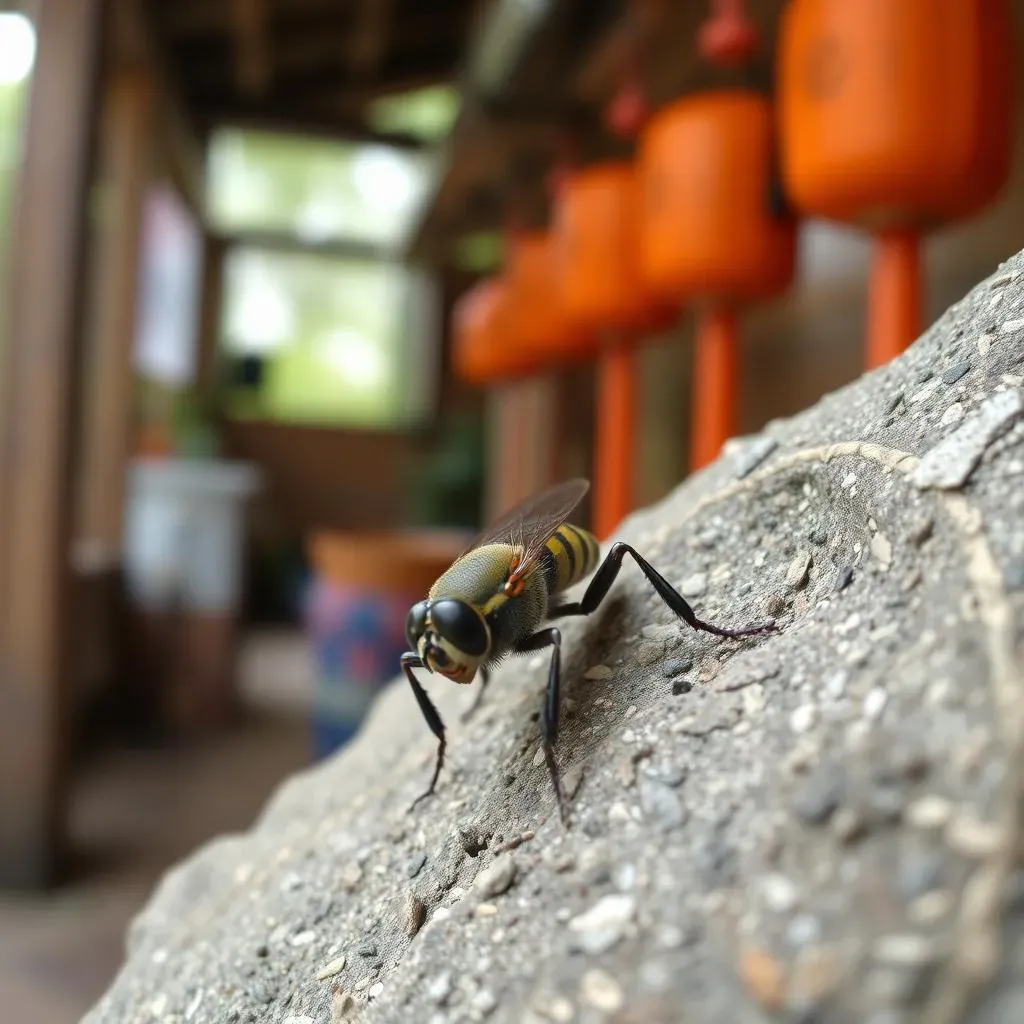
<point x="495" y="598"/>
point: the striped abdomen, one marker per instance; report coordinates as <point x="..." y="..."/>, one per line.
<point x="574" y="554"/>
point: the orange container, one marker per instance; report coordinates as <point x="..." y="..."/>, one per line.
<point x="895" y="114"/>
<point x="597" y="227"/>
<point x="707" y="230"/>
<point x="537" y="311"/>
<point x="896" y="117"/>
<point x="484" y="348"/>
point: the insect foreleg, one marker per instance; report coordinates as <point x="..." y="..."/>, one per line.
<point x="605" y="576"/>
<point x="550" y="637"/>
<point x="485" y="678"/>
<point x="410" y="661"/>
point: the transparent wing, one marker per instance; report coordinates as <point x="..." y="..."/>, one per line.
<point x="529" y="524"/>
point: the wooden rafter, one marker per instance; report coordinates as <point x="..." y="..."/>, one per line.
<point x="252" y="47"/>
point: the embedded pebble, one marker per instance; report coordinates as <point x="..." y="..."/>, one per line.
<point x="971" y="837"/>
<point x="954" y="414"/>
<point x="440" y="988"/>
<point x="815" y="976"/>
<point x="848" y="825"/>
<point x="874" y="703"/>
<point x="597" y="672"/>
<point x="368" y="950"/>
<point x="803" y="718"/>
<point x="351" y="875"/>
<point x="881" y="549"/>
<point x="950" y="463"/>
<point x="753" y="454"/>
<point x="821" y="794"/>
<point x="676" y="667"/>
<point x="780" y="894"/>
<point x="416" y="865"/>
<point x="931" y="907"/>
<point x="1013" y="574"/>
<point x="922" y="872"/>
<point x="496" y="877"/>
<point x="560" y="1010"/>
<point x="844" y="577"/>
<point x="303" y="938"/>
<point x="798" y="570"/>
<point x="601" y="990"/>
<point x="484" y="1002"/>
<point x="904" y="950"/>
<point x="835" y="685"/>
<point x="694" y="585"/>
<point x="956" y="372"/>
<point x="984" y="344"/>
<point x="602" y="926"/>
<point x="415" y="914"/>
<point x="660" y="803"/>
<point x="1009" y="326"/>
<point x="376" y="990"/>
<point x="929" y="812"/>
<point x="803" y="930"/>
<point x="764" y="978"/>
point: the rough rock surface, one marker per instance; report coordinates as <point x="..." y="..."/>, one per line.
<point x="819" y="826"/>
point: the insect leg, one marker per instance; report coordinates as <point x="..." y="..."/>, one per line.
<point x="550" y="637"/>
<point x="409" y="661"/>
<point x="609" y="570"/>
<point x="485" y="678"/>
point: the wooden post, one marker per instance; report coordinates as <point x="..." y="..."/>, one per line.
<point x="38" y="421"/>
<point x="126" y="155"/>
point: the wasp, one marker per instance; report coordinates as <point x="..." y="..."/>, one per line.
<point x="498" y="596"/>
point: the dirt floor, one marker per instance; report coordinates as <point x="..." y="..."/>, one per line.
<point x="135" y="813"/>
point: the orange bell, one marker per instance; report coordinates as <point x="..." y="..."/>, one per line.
<point x="597" y="228"/>
<point x="709" y="235"/>
<point x="484" y="350"/>
<point x="537" y="309"/>
<point x="707" y="226"/>
<point x="895" y="117"/>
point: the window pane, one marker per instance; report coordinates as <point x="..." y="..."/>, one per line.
<point x="331" y="339"/>
<point x="315" y="189"/>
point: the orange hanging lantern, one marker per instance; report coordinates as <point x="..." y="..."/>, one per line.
<point x="597" y="225"/>
<point x="539" y="315"/>
<point x="895" y="117"/>
<point x="484" y="349"/>
<point x="710" y="234"/>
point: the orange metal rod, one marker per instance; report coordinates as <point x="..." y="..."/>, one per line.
<point x="715" y="384"/>
<point x="894" y="300"/>
<point x="615" y="437"/>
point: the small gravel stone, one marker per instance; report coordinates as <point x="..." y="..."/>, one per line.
<point x="814" y="978"/>
<point x="375" y="991"/>
<point x="848" y="825"/>
<point x="835" y="684"/>
<point x="676" y="667"/>
<point x="931" y="907"/>
<point x="821" y="794"/>
<point x="496" y="877"/>
<point x="803" y="718"/>
<point x="483" y="1003"/>
<point x="600" y="990"/>
<point x="597" y="672"/>
<point x="881" y="549"/>
<point x="753" y="454"/>
<point x="930" y="813"/>
<point x="950" y="463"/>
<point x="904" y="950"/>
<point x="956" y="372"/>
<point x="694" y="585"/>
<point x="440" y="988"/>
<point x="1013" y="574"/>
<point x="971" y="837"/>
<point x="921" y="872"/>
<point x="415" y="914"/>
<point x="764" y="978"/>
<point x="351" y="875"/>
<point x="660" y="804"/>
<point x="602" y="926"/>
<point x="874" y="703"/>
<point x="798" y="570"/>
<point x="329" y="970"/>
<point x="954" y="414"/>
<point x="367" y="950"/>
<point x="416" y="865"/>
<point x="780" y="894"/>
<point x="681" y="686"/>
<point x="844" y="577"/>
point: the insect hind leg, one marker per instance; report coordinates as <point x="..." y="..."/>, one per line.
<point x="410" y="661"/>
<point x="550" y="637"/>
<point x="605" y="576"/>
<point x="485" y="678"/>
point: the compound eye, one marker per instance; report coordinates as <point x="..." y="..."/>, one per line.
<point x="416" y="623"/>
<point x="461" y="625"/>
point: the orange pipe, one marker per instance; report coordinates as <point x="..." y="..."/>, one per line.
<point x="894" y="300"/>
<point x="615" y="438"/>
<point x="715" y="384"/>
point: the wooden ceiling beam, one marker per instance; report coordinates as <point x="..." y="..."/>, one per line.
<point x="252" y="64"/>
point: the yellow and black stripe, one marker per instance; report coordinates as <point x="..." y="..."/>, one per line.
<point x="574" y="554"/>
